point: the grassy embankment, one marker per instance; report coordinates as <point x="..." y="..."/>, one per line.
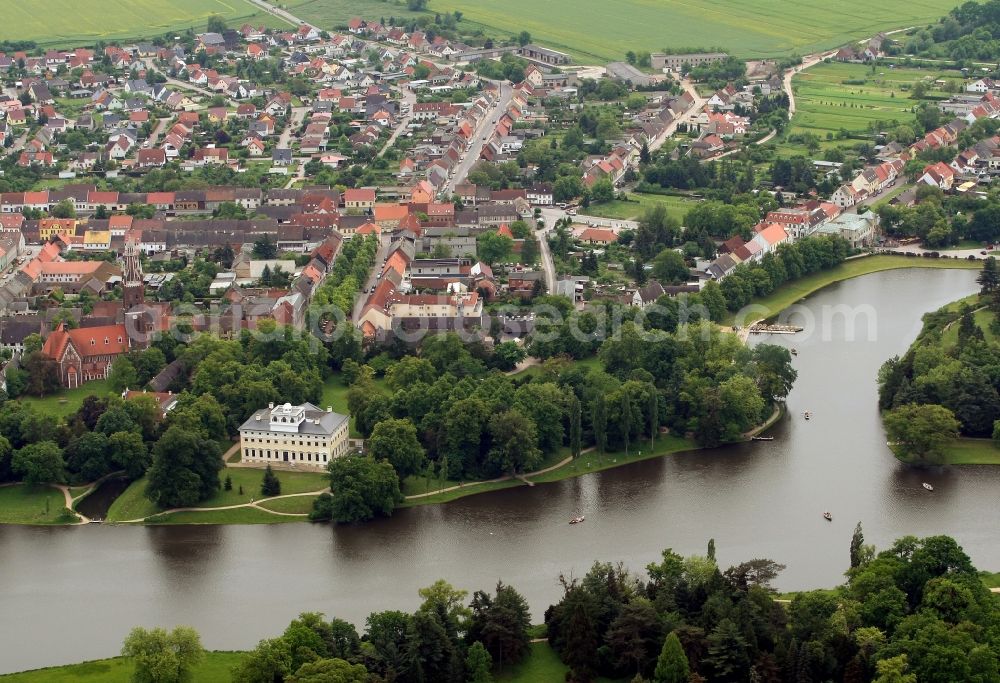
<point x="215" y="667"/>
<point x="133" y="504"/>
<point x="791" y="292"/>
<point x="541" y="666"/>
<point x="23" y="504"/>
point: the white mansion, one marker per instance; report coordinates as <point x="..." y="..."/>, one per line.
<point x="295" y="434"/>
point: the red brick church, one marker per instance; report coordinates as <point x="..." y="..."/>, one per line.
<point x="86" y="353"/>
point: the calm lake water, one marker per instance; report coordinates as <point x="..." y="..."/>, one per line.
<point x="70" y="594"/>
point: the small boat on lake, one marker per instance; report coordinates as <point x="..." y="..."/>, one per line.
<point x="827" y="516"/>
<point x="762" y="438"/>
<point x="807" y="414"/>
<point x="928" y="486"/>
<point x="577" y="520"/>
<point x="794" y="352"/>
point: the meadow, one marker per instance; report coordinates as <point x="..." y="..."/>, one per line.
<point x="637" y="204"/>
<point x="836" y="95"/>
<point x="71" y="23"/>
<point x="595" y="30"/>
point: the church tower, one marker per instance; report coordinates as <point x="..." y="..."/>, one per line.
<point x="133" y="291"/>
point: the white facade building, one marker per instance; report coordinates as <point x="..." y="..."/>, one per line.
<point x="304" y="435"/>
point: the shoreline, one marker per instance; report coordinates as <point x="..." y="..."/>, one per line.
<point x="964" y="451"/>
<point x="258" y="512"/>
<point x="792" y="292"/>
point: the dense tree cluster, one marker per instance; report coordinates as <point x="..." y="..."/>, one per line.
<point x="946" y="382"/>
<point x="787" y="262"/>
<point x="968" y="32"/>
<point x="918" y="609"/>
<point x="915" y="611"/>
<point x="940" y="221"/>
<point x="349" y="273"/>
<point x="718" y="74"/>
<point x="444" y="640"/>
<point x="687" y="173"/>
<point x="104" y="435"/>
<point x="449" y="412"/>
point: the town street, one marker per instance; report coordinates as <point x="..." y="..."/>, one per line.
<point x="479" y="137"/>
<point x="298" y="116"/>
<point x="184" y="85"/>
<point x="671" y="128"/>
<point x="154" y="137"/>
<point x="550" y="216"/>
<point x="409" y="99"/>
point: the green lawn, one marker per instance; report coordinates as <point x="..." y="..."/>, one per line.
<point x="133" y="504"/>
<point x="415" y="485"/>
<point x="68" y="401"/>
<point x="234" y="516"/>
<point x="299" y="504"/>
<point x="335" y="395"/>
<point x="595" y="462"/>
<point x="984" y="319"/>
<point x="826" y="103"/>
<point x="331" y="13"/>
<point x="22" y="504"/>
<point x="637" y="205"/>
<point x="543" y="666"/>
<point x="972" y="452"/>
<point x="992" y="580"/>
<point x="790" y="292"/>
<point x="215" y="667"/>
<point x="585" y="464"/>
<point x="72" y="23"/>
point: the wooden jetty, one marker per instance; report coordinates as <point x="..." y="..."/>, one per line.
<point x="764" y="328"/>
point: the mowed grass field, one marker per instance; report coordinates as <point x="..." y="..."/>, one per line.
<point x="69" y="23"/>
<point x="594" y="30"/>
<point x="826" y="102"/>
<point x="637" y="205"/>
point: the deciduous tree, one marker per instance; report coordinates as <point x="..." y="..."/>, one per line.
<point x="920" y="432"/>
<point x="159" y="656"/>
<point x="396" y="441"/>
<point x="362" y="488"/>
<point x="40" y="463"/>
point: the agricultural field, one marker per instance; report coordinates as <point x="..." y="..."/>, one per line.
<point x="834" y="96"/>
<point x="596" y="30"/>
<point x="329" y="14"/>
<point x="71" y="23"/>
